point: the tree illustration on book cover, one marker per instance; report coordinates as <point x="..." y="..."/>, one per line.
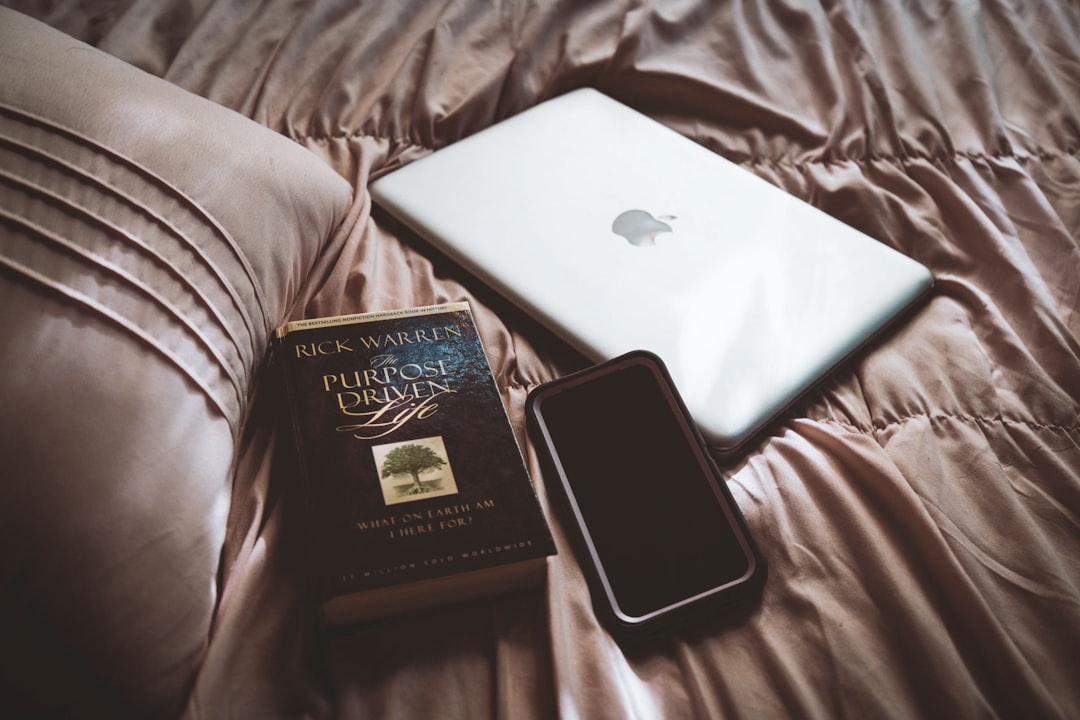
<point x="402" y="464"/>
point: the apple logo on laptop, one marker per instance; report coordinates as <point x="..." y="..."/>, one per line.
<point x="640" y="228"/>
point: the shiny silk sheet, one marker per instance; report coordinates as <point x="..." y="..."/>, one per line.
<point x="920" y="511"/>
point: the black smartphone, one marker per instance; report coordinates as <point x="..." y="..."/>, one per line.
<point x="659" y="534"/>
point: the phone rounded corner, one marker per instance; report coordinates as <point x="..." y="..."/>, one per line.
<point x="534" y="405"/>
<point x="757" y="572"/>
<point x="625" y="627"/>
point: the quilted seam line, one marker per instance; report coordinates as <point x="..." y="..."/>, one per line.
<point x="751" y="161"/>
<point x="882" y="426"/>
<point x="903" y="160"/>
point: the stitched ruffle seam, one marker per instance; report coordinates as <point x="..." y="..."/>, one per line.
<point x="1041" y="154"/>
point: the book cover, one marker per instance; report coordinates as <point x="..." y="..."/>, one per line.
<point x="417" y="491"/>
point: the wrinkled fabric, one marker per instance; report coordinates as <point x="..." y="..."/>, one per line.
<point x="920" y="510"/>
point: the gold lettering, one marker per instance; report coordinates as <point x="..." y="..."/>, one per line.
<point x="323" y="347"/>
<point x="377" y="523"/>
<point x="347" y="401"/>
<point x="388" y="417"/>
<point x="415" y="529"/>
<point x="448" y="510"/>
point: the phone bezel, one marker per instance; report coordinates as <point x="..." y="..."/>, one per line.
<point x="620" y="621"/>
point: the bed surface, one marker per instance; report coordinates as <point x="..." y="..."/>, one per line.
<point x="920" y="511"/>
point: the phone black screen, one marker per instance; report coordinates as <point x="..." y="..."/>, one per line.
<point x="644" y="494"/>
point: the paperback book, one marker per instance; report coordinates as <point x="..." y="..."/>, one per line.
<point x="416" y="489"/>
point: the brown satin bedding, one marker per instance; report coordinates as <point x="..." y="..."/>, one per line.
<point x="920" y="512"/>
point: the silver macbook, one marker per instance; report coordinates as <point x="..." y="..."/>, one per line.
<point x="620" y="234"/>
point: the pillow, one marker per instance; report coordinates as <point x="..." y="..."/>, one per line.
<point x="149" y="243"/>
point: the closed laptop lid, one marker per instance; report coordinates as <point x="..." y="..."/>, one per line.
<point x="620" y="234"/>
